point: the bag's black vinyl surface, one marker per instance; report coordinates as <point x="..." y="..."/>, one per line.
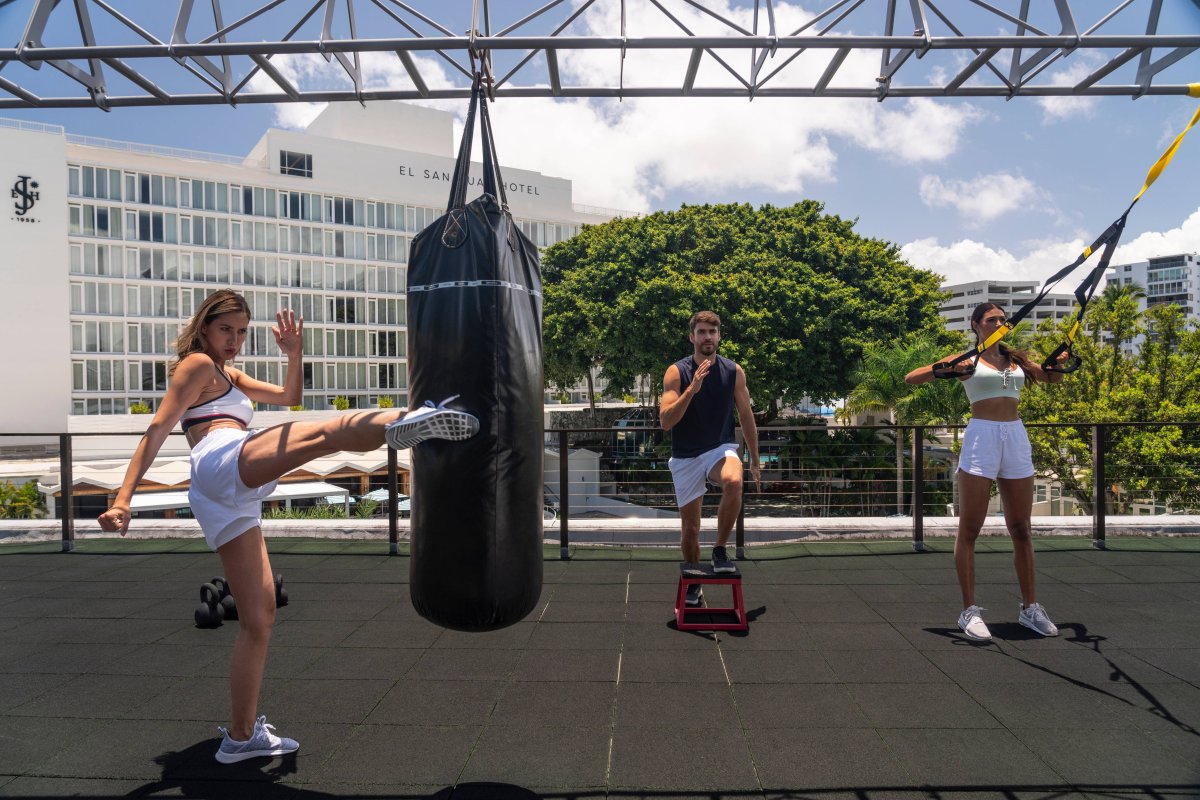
<point x="475" y="330"/>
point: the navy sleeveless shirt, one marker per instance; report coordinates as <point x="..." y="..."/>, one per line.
<point x="708" y="421"/>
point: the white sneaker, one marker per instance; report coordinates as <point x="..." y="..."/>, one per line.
<point x="263" y="742"/>
<point x="1034" y="617"/>
<point x="971" y="623"/>
<point x="431" y="422"/>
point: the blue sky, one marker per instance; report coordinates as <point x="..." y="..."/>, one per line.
<point x="979" y="188"/>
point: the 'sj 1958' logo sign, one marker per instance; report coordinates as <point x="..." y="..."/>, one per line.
<point x="24" y="195"/>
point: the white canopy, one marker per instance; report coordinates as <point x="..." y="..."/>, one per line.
<point x="158" y="501"/>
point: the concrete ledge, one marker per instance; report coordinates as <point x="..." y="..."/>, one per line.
<point x="640" y="531"/>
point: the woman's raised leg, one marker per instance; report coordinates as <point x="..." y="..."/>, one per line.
<point x="276" y="451"/>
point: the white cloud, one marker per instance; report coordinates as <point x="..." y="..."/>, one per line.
<point x="969" y="260"/>
<point x="1057" y="109"/>
<point x="1152" y="244"/>
<point x="629" y="154"/>
<point x="983" y="198"/>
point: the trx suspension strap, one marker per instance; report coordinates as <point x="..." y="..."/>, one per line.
<point x="1083" y="293"/>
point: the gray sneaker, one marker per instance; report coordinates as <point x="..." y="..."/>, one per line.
<point x="263" y="742"/>
<point x="1034" y="617"/>
<point x="970" y="622"/>
<point x="431" y="422"/>
<point x="721" y="562"/>
<point x="695" y="595"/>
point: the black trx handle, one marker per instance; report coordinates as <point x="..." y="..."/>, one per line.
<point x="945" y="369"/>
<point x="1072" y="363"/>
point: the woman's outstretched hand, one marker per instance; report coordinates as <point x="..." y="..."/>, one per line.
<point x="289" y="332"/>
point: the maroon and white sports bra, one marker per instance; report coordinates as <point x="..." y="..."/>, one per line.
<point x="232" y="405"/>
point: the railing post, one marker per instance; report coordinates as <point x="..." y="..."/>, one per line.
<point x="564" y="502"/>
<point x="918" y="489"/>
<point x="66" y="481"/>
<point x="1099" y="484"/>
<point x="739" y="542"/>
<point x="393" y="481"/>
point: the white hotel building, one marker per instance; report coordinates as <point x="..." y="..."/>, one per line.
<point x="1009" y="295"/>
<point x="108" y="246"/>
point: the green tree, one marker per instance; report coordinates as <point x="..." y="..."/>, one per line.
<point x="879" y="386"/>
<point x="20" y="502"/>
<point x="798" y="291"/>
<point x="1158" y="383"/>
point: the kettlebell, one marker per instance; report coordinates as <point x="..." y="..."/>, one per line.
<point x="227" y="601"/>
<point x="209" y="614"/>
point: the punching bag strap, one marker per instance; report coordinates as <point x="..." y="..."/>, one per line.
<point x="454" y="232"/>
<point x="493" y="181"/>
<point x="491" y="169"/>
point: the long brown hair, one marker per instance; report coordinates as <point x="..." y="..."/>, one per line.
<point x="191" y="338"/>
<point x="1020" y="357"/>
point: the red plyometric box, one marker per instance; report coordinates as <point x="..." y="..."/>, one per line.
<point x="704" y="575"/>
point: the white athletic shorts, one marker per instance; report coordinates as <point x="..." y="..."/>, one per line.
<point x="993" y="450"/>
<point x="691" y="474"/>
<point x="223" y="505"/>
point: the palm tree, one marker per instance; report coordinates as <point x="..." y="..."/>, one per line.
<point x="1113" y="291"/>
<point x="942" y="402"/>
<point x="879" y="386"/>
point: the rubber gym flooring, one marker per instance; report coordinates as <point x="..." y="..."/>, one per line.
<point x="852" y="682"/>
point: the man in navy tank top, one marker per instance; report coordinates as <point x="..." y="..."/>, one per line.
<point x="699" y="395"/>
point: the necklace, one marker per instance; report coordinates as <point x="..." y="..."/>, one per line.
<point x="1004" y="373"/>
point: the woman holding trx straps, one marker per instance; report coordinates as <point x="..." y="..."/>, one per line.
<point x="995" y="448"/>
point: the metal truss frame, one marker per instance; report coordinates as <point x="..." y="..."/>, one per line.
<point x="115" y="61"/>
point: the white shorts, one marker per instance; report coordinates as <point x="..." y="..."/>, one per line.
<point x="223" y="505"/>
<point x="993" y="450"/>
<point x="691" y="474"/>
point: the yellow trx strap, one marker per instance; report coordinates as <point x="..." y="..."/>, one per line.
<point x="1165" y="158"/>
<point x="1108" y="240"/>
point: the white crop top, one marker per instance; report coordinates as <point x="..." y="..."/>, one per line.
<point x="989" y="382"/>
<point x="232" y="405"/>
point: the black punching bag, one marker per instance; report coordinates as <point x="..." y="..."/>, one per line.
<point x="475" y="330"/>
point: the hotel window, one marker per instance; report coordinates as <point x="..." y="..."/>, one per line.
<point x="385" y="215"/>
<point x="97" y="298"/>
<point x="152" y="337"/>
<point x="98" y="182"/>
<point x="388" y="311"/>
<point x="92" y="375"/>
<point x="298" y="164"/>
<point x="210" y="231"/>
<point x="152" y="301"/>
<point x="89" y="220"/>
<point x="258" y="202"/>
<point x="93" y="259"/>
<point x="259" y="342"/>
<point x="388" y="344"/>
<point x="314" y="341"/>
<point x="207" y="195"/>
<point x="149" y="376"/>
<point x="140" y="187"/>
<point x="152" y="264"/>
<point x="386" y="377"/>
<point x="98" y="337"/>
<point x="300" y="205"/>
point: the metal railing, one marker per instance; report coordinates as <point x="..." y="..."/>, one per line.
<point x="832" y="472"/>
